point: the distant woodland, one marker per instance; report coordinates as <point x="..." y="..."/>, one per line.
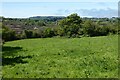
<point x="72" y="26"/>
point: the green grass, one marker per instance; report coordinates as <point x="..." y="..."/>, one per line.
<point x="94" y="57"/>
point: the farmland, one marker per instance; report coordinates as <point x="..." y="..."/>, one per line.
<point x="86" y="57"/>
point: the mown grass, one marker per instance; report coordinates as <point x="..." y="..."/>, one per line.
<point x="95" y="57"/>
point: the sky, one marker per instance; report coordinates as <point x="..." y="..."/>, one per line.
<point x="84" y="8"/>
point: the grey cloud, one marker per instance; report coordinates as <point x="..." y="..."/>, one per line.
<point x="63" y="11"/>
<point x="100" y="13"/>
<point x="67" y="11"/>
<point x="92" y="12"/>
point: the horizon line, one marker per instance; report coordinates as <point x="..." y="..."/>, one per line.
<point x="56" y="16"/>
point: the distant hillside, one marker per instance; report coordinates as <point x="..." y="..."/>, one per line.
<point x="40" y="22"/>
<point x="43" y="22"/>
<point x="48" y="18"/>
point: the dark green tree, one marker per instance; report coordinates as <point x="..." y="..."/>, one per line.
<point x="70" y="25"/>
<point x="48" y="32"/>
<point x="29" y="33"/>
<point x="8" y="34"/>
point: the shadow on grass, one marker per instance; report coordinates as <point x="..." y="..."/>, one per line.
<point x="10" y="51"/>
<point x="13" y="61"/>
<point x="9" y="48"/>
<point x="10" y="55"/>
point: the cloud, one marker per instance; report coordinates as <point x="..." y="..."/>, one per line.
<point x="63" y="12"/>
<point x="67" y="11"/>
<point x="100" y="13"/>
<point x="91" y="12"/>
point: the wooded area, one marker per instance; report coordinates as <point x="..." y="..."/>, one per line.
<point x="71" y="26"/>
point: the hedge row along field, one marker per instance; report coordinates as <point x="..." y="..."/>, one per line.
<point x="72" y="26"/>
<point x="92" y="57"/>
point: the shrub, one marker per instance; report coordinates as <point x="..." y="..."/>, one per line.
<point x="8" y="34"/>
<point x="29" y="33"/>
<point x="48" y="32"/>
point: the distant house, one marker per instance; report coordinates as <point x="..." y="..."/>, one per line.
<point x="17" y="29"/>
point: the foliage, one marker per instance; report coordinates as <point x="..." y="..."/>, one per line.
<point x="70" y="25"/>
<point x="29" y="33"/>
<point x="48" y="32"/>
<point x="8" y="34"/>
<point x="96" y="29"/>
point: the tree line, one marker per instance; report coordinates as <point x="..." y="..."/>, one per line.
<point x="71" y="26"/>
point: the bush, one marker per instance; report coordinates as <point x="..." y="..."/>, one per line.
<point x="8" y="34"/>
<point x="48" y="32"/>
<point x="92" y="29"/>
<point x="29" y="33"/>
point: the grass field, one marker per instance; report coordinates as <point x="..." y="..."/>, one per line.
<point x="95" y="57"/>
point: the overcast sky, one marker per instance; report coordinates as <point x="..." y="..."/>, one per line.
<point x="25" y="8"/>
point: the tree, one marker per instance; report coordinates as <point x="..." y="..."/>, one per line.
<point x="94" y="29"/>
<point x="29" y="33"/>
<point x="48" y="32"/>
<point x="70" y="25"/>
<point x="89" y="28"/>
<point x="8" y="34"/>
<point x="41" y="23"/>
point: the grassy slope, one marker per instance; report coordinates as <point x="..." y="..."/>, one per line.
<point x="59" y="57"/>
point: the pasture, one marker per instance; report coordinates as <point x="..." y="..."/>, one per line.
<point x="87" y="57"/>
